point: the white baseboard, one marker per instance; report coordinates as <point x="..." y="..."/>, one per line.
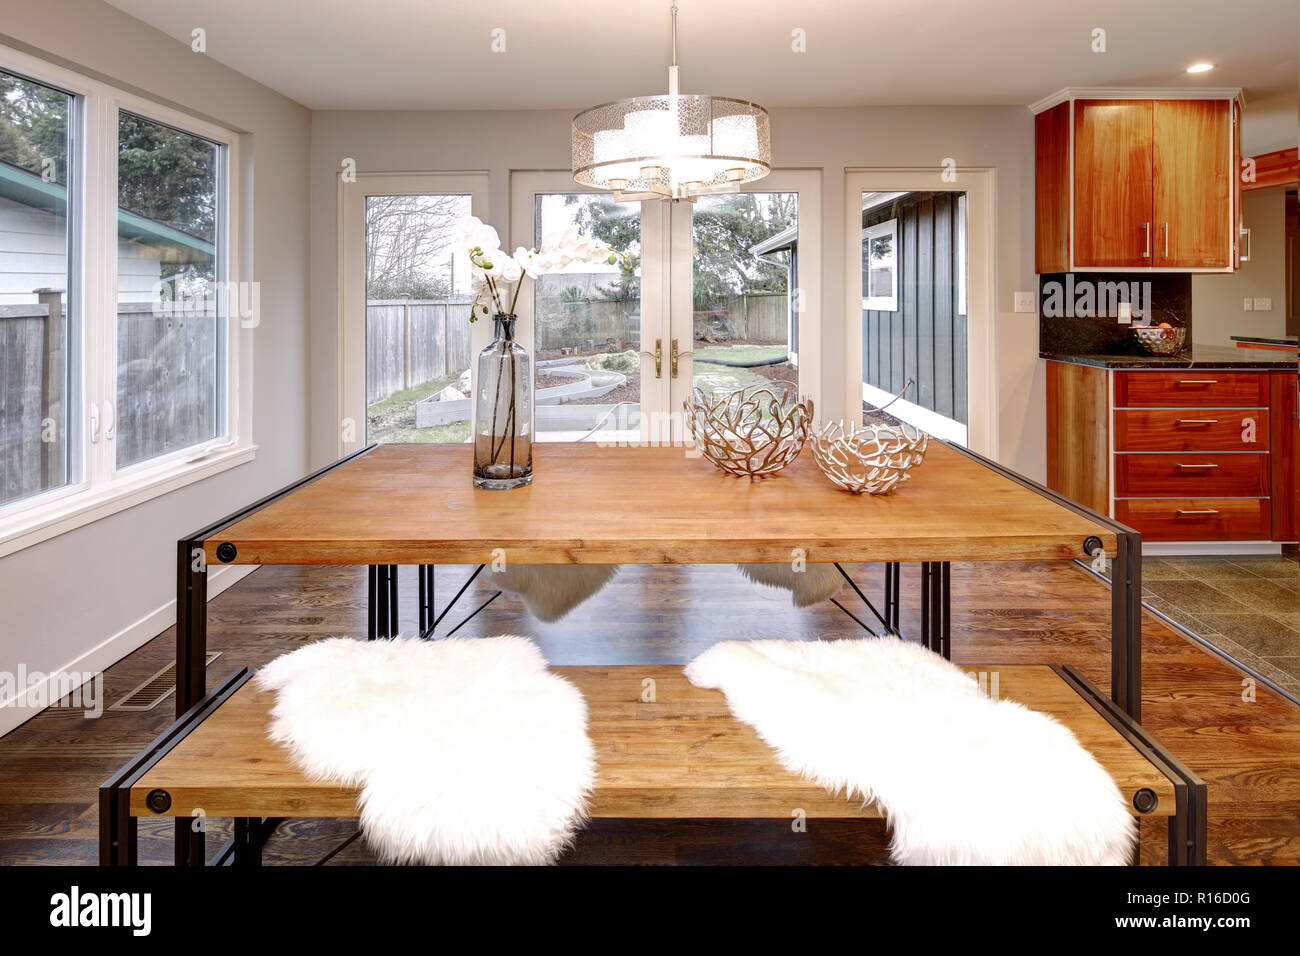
<point x="1191" y="549"/>
<point x="16" y="711"/>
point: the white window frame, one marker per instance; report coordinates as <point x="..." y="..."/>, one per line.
<point x="102" y="489"/>
<point x="884" y="303"/>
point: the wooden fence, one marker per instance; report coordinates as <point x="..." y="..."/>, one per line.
<point x="410" y="342"/>
<point x="166" y="396"/>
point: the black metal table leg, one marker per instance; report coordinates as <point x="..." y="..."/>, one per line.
<point x="1126" y="625"/>
<point x="426" y="599"/>
<point x="381" y="602"/>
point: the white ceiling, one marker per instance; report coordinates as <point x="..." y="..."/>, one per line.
<point x="433" y="54"/>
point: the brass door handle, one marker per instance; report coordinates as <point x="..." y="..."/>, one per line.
<point x="658" y="356"/>
<point x="677" y="354"/>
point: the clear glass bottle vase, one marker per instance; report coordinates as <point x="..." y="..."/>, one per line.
<point x="503" y="403"/>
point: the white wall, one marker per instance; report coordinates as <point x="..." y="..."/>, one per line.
<point x="1217" y="299"/>
<point x="83" y="599"/>
<point x="826" y="139"/>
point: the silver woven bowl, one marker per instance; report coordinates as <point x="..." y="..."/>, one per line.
<point x="868" y="458"/>
<point x="1157" y="341"/>
<point x="749" y="433"/>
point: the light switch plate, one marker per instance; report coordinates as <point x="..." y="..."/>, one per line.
<point x="1248" y="304"/>
<point x="1025" y="302"/>
<point x="1263" y="305"/>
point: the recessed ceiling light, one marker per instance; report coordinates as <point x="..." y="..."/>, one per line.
<point x="1200" y="68"/>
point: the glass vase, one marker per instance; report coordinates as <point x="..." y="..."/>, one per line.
<point x="503" y="447"/>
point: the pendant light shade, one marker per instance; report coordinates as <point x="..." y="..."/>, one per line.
<point x="671" y="146"/>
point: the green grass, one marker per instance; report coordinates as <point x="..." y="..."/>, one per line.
<point x="743" y="353"/>
<point x="393" y="419"/>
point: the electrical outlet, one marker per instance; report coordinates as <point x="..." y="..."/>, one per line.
<point x="1125" y="313"/>
<point x="1248" y="304"/>
<point x="1263" y="305"/>
<point x="1025" y="302"/>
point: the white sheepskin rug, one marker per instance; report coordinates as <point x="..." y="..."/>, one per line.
<point x="550" y="591"/>
<point x="962" y="778"/>
<point x="467" y="750"/>
<point x="814" y="584"/>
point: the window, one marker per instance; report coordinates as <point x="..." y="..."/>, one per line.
<point x="37" y="256"/>
<point x="172" y="298"/>
<point x="119" y="304"/>
<point x="880" y="266"/>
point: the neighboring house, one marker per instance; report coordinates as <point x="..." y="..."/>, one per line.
<point x="33" y="245"/>
<point x="787" y="240"/>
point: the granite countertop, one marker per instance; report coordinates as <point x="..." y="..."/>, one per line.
<point x="1198" y="356"/>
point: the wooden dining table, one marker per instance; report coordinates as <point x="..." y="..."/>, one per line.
<point x="415" y="504"/>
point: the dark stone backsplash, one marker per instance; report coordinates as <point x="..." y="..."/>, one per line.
<point x="1058" y="331"/>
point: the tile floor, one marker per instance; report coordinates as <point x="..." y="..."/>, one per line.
<point x="1247" y="606"/>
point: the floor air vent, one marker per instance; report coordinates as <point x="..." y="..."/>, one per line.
<point x="155" y="689"/>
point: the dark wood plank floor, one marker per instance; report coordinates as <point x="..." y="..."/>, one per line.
<point x="1247" y="750"/>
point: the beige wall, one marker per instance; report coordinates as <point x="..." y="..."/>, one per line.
<point x="825" y="139"/>
<point x="1216" y="299"/>
<point x="86" y="598"/>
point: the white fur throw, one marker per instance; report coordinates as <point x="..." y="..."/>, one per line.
<point x="814" y="584"/>
<point x="550" y="591"/>
<point x="962" y="778"/>
<point x="467" y="750"/>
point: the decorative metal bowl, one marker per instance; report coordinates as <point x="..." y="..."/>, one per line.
<point x="1157" y="341"/>
<point x="750" y="432"/>
<point x="868" y="458"/>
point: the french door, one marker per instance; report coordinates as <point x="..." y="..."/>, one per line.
<point x="722" y="293"/>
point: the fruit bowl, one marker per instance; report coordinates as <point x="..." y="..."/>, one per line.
<point x="1159" y="340"/>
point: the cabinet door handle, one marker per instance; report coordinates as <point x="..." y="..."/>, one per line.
<point x="1198" y="381"/>
<point x="1198" y="421"/>
<point x="1164" y="226"/>
<point x="1146" y="233"/>
<point x="1206" y="465"/>
<point x="1206" y="511"/>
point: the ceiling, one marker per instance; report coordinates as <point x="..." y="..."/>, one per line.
<point x="433" y="54"/>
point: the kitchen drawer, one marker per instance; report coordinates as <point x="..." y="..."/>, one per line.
<point x="1192" y="474"/>
<point x="1172" y="429"/>
<point x="1191" y="389"/>
<point x="1197" y="519"/>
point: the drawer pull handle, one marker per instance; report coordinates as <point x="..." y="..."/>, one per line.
<point x="1198" y="421"/>
<point x="1198" y="381"/>
<point x="1207" y="511"/>
<point x="1205" y="465"/>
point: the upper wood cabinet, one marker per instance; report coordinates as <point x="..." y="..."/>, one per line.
<point x="1131" y="182"/>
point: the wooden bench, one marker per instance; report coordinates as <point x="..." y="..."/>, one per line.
<point x="664" y="749"/>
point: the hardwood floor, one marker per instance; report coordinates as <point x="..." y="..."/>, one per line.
<point x="1248" y="750"/>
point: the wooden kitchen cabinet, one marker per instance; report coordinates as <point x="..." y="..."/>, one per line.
<point x="1191" y="183"/>
<point x="1185" y="455"/>
<point x="1112" y="183"/>
<point x="1136" y="183"/>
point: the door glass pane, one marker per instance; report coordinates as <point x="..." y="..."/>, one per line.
<point x="746" y="324"/>
<point x="38" y="339"/>
<point x="417" y="319"/>
<point x="587" y="323"/>
<point x="914" y="310"/>
<point x="172" y="298"/>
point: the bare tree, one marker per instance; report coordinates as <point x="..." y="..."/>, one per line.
<point x="409" y="242"/>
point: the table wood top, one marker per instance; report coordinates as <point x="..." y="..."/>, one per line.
<point x="416" y="504"/>
<point x="681" y="756"/>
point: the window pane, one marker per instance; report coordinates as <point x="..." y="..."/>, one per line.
<point x="417" y="319"/>
<point x="587" y="323"/>
<point x="746" y="270"/>
<point x="37" y="332"/>
<point x="171" y="296"/>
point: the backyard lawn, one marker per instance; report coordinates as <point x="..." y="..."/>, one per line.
<point x="393" y="419"/>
